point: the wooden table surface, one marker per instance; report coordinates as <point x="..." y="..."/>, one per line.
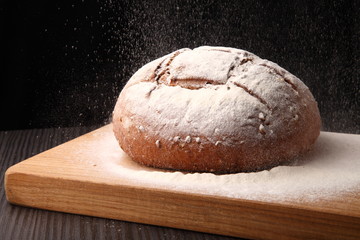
<point x="18" y="222"/>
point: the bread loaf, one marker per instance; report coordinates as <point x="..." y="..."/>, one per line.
<point x="215" y="109"/>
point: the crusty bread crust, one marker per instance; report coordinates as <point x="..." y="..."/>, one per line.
<point x="215" y="109"/>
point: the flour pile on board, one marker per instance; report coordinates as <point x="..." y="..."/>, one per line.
<point x="332" y="168"/>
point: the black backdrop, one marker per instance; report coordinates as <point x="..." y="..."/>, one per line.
<point x="64" y="63"/>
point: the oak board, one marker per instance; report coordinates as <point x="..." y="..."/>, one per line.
<point x="73" y="178"/>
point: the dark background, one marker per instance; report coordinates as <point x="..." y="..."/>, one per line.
<point x="64" y="63"/>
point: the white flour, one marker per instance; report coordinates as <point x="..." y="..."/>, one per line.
<point x="235" y="92"/>
<point x="331" y="169"/>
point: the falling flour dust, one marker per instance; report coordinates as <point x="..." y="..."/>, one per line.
<point x="332" y="168"/>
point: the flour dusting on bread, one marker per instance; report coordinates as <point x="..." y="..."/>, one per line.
<point x="219" y="96"/>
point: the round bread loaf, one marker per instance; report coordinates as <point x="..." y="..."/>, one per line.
<point x="215" y="109"/>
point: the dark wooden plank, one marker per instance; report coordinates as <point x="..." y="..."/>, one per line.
<point x="28" y="223"/>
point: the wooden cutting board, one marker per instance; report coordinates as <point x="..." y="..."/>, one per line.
<point x="75" y="177"/>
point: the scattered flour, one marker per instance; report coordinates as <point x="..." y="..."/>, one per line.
<point x="332" y="168"/>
